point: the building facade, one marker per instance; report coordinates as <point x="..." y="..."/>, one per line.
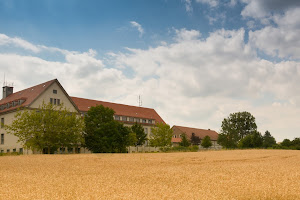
<point x="178" y="131"/>
<point x="53" y="92"/>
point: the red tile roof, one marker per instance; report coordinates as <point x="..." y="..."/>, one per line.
<point x="120" y="109"/>
<point x="29" y="95"/>
<point x="176" y="140"/>
<point x="201" y="133"/>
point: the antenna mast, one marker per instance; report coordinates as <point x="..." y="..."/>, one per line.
<point x="140" y="101"/>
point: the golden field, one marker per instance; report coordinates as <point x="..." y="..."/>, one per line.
<point x="236" y="174"/>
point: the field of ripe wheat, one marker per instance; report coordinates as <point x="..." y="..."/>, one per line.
<point x="236" y="174"/>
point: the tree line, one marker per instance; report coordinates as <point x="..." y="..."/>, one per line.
<point x="51" y="127"/>
<point x="239" y="130"/>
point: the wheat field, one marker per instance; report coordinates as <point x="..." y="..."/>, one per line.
<point x="235" y="174"/>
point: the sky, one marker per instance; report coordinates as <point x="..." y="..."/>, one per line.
<point x="193" y="61"/>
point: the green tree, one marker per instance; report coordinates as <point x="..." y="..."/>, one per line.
<point x="286" y="143"/>
<point x="254" y="140"/>
<point x="296" y="143"/>
<point x="132" y="140"/>
<point x="268" y="140"/>
<point x="141" y="136"/>
<point x="236" y="127"/>
<point x="102" y="133"/>
<point x="184" y="141"/>
<point x="48" y="127"/>
<point x="195" y="140"/>
<point x="161" y="135"/>
<point x="206" y="142"/>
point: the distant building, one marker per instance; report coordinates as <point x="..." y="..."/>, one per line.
<point x="178" y="131"/>
<point x="53" y="92"/>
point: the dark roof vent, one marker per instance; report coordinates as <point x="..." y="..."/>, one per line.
<point x="7" y="90"/>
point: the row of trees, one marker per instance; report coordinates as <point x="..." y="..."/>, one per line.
<point x="195" y="140"/>
<point x="239" y="130"/>
<point x="289" y="144"/>
<point x="51" y="127"/>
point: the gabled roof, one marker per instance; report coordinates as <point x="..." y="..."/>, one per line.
<point x="120" y="109"/>
<point x="201" y="133"/>
<point x="29" y="95"/>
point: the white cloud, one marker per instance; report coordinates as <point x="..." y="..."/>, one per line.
<point x="264" y="8"/>
<point x="138" y="26"/>
<point x="282" y="40"/>
<point x="185" y="35"/>
<point x="192" y="82"/>
<point x="211" y="3"/>
<point x="188" y="6"/>
<point x="18" y="42"/>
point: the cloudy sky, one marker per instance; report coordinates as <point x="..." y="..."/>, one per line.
<point x="193" y="61"/>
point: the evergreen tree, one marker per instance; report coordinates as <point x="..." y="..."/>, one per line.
<point x="141" y="136"/>
<point x="184" y="141"/>
<point x="195" y="140"/>
<point x="268" y="140"/>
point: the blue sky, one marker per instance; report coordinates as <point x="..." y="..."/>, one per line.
<point x="105" y="25"/>
<point x="194" y="61"/>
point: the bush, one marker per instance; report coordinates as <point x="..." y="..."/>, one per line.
<point x="193" y="148"/>
<point x="10" y="154"/>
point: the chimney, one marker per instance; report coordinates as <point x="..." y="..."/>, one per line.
<point x="7" y="90"/>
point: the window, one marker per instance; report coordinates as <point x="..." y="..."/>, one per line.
<point x="117" y="117"/>
<point x="131" y="119"/>
<point x="2" y="151"/>
<point x="51" y="100"/>
<point x="146" y="130"/>
<point x="8" y="150"/>
<point x="14" y="150"/>
<point x="2" y="122"/>
<point x="144" y="120"/>
<point x="54" y="91"/>
<point x="58" y="101"/>
<point x="2" y="138"/>
<point x="54" y="101"/>
<point x="150" y="121"/>
<point x="21" y="150"/>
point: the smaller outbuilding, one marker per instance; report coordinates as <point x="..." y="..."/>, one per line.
<point x="178" y="131"/>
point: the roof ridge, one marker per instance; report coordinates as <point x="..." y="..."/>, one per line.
<point x="35" y="86"/>
<point x="194" y="128"/>
<point x="113" y="103"/>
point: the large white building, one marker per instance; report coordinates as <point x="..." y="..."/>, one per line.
<point x="52" y="91"/>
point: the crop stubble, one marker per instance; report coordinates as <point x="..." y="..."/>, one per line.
<point x="236" y="174"/>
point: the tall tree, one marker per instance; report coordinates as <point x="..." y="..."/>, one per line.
<point x="268" y="140"/>
<point x="235" y="127"/>
<point x="184" y="141"/>
<point x="161" y="135"/>
<point x="206" y="142"/>
<point x="195" y="140"/>
<point x="48" y="127"/>
<point x="102" y="133"/>
<point x="141" y="136"/>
